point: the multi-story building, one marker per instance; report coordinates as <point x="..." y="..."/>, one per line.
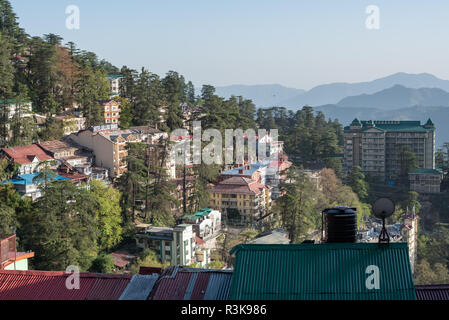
<point x="114" y="83"/>
<point x="241" y="200"/>
<point x="376" y="146"/>
<point x="108" y="144"/>
<point x="111" y="111"/>
<point x="206" y="225"/>
<point x="176" y="246"/>
<point x="425" y="180"/>
<point x="17" y="106"/>
<point x="72" y="123"/>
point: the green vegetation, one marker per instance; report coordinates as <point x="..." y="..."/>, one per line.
<point x="310" y="140"/>
<point x="147" y="258"/>
<point x="302" y="201"/>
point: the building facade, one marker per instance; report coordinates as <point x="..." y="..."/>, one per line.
<point x="176" y="246"/>
<point x="243" y="201"/>
<point x="107" y="143"/>
<point x="376" y="146"/>
<point x="111" y="111"/>
<point x="114" y="84"/>
<point x="425" y="180"/>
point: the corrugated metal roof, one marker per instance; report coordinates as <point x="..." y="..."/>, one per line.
<point x="139" y="287"/>
<point x="178" y="283"/>
<point x="321" y="272"/>
<point x="44" y="285"/>
<point x="433" y="292"/>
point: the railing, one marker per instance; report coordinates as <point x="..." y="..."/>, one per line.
<point x="7" y="245"/>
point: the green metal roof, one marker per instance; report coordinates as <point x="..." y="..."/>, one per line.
<point x="426" y="171"/>
<point x="198" y="214"/>
<point x="392" y="125"/>
<point x="321" y="272"/>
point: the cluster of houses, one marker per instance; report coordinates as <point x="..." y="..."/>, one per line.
<point x="188" y="243"/>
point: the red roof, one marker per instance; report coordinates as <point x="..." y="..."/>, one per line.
<point x="179" y="283"/>
<point x="26" y="154"/>
<point x="51" y="285"/>
<point x="239" y="185"/>
<point x="198" y="240"/>
<point x="432" y="292"/>
<point x="149" y="270"/>
<point x="122" y="259"/>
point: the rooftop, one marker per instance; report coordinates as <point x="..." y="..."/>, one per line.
<point x="179" y="283"/>
<point x="28" y="179"/>
<point x="336" y="271"/>
<point x="51" y="285"/>
<point x="239" y="185"/>
<point x="26" y="154"/>
<point x="55" y="146"/>
<point x="392" y="125"/>
<point x="426" y="171"/>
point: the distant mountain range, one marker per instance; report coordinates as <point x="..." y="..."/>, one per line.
<point x="277" y="95"/>
<point x="398" y="97"/>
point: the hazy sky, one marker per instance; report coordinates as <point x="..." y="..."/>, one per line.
<point x="291" y="42"/>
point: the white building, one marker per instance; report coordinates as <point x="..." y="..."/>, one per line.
<point x="177" y="246"/>
<point x="14" y="106"/>
<point x="114" y="83"/>
<point x="206" y="225"/>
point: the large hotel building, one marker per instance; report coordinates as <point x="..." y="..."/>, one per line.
<point x="375" y="146"/>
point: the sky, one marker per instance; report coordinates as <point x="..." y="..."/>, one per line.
<point x="294" y="43"/>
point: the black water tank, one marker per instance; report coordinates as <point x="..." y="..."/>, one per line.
<point x="340" y="225"/>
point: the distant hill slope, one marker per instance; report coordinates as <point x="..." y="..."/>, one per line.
<point x="439" y="116"/>
<point x="398" y="97"/>
<point x="335" y="92"/>
<point x="277" y="95"/>
<point x="262" y="95"/>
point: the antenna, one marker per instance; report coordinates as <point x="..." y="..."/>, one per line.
<point x="383" y="208"/>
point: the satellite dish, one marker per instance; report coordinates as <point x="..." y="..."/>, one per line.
<point x="383" y="208"/>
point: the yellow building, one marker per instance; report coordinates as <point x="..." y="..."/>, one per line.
<point x="111" y="111"/>
<point x="241" y="200"/>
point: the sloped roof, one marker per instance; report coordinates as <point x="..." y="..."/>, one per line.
<point x="51" y="285"/>
<point x="26" y="154"/>
<point x="426" y="171"/>
<point x="28" y="179"/>
<point x="179" y="283"/>
<point x="433" y="292"/>
<point x="239" y="185"/>
<point x="321" y="272"/>
<point x="393" y="125"/>
<point x="139" y="287"/>
<point x="55" y="146"/>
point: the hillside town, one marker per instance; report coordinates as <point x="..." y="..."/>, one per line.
<point x="145" y="187"/>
